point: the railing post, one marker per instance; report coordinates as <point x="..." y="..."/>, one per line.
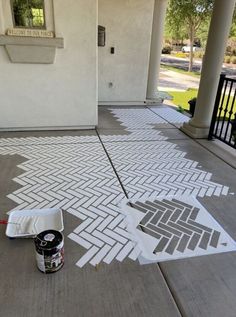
<point x="217" y="101"/>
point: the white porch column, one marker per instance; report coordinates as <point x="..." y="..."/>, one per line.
<point x="221" y="20"/>
<point x="1" y="19"/>
<point x="156" y="47"/>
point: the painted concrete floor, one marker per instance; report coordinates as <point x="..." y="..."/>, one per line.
<point x="87" y="173"/>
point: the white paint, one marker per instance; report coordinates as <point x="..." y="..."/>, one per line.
<point x="100" y="255"/>
<point x="73" y="173"/>
<point x="139" y="118"/>
<point x="60" y="95"/>
<point x="80" y="240"/>
<point x="128" y="28"/>
<point x="76" y="188"/>
<point x="90" y="254"/>
<point x="112" y="254"/>
<point x="170" y="115"/>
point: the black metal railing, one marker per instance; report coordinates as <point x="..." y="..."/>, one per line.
<point x="223" y="124"/>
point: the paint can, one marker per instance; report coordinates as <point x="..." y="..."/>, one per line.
<point x="49" y="246"/>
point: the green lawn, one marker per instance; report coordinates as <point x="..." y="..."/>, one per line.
<point x="181" y="99"/>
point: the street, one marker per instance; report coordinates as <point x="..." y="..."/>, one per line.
<point x="175" y="81"/>
<point x="182" y="63"/>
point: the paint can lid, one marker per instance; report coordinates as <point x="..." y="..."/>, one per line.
<point x="48" y="239"/>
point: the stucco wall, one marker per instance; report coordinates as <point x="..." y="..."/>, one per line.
<point x="63" y="94"/>
<point x="128" y="28"/>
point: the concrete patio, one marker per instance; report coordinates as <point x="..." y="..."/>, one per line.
<point x="87" y="174"/>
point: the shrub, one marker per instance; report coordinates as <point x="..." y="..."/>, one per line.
<point x="180" y="109"/>
<point x="228" y="50"/>
<point x="166" y="50"/>
<point x="227" y="59"/>
<point x="233" y="60"/>
<point x="231" y="45"/>
<point x="198" y="54"/>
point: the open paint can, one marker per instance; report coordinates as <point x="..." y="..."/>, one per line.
<point x="49" y="246"/>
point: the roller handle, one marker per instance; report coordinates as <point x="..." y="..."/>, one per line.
<point x="3" y="222"/>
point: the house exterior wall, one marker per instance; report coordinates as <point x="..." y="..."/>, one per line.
<point x="59" y="95"/>
<point x="123" y="76"/>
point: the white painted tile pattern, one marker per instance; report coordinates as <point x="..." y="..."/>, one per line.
<point x="170" y="115"/>
<point x="75" y="174"/>
<point x="160" y="168"/>
<point x="135" y="135"/>
<point x="137" y="118"/>
<point x="78" y="178"/>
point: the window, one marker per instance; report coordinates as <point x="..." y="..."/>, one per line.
<point x="28" y="13"/>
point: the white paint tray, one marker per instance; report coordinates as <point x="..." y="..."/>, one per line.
<point x="29" y="223"/>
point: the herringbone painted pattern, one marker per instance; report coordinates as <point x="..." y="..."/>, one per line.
<point x="170" y="115"/>
<point x="174" y="224"/>
<point x="175" y="227"/>
<point x="156" y="168"/>
<point x="135" y="135"/>
<point x="79" y="179"/>
<point x="137" y="118"/>
<point x="76" y="175"/>
<point x="159" y="168"/>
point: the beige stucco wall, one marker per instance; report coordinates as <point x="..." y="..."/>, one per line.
<point x="63" y="94"/>
<point x="128" y="28"/>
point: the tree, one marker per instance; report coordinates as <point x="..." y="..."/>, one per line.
<point x="188" y="15"/>
<point x="202" y="32"/>
<point x="28" y="13"/>
<point x="233" y="27"/>
<point x="175" y="32"/>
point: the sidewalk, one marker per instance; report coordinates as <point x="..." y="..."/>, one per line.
<point x="175" y="81"/>
<point x="182" y="63"/>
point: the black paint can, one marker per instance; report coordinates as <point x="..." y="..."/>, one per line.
<point x="49" y="246"/>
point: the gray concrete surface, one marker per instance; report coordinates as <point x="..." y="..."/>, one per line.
<point x="203" y="286"/>
<point x="174" y="81"/>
